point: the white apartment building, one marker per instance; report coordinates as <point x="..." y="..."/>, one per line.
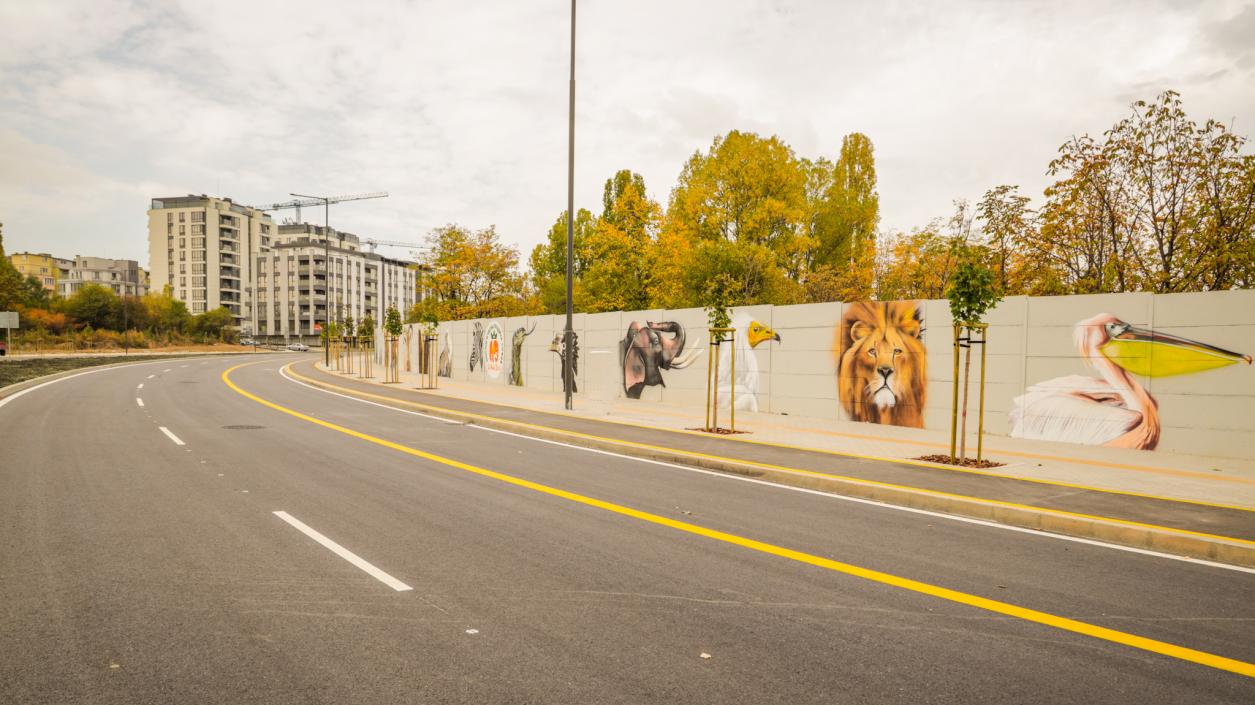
<point x="203" y="248"/>
<point x="293" y="296"/>
<point x="213" y="252"/>
<point x="124" y="276"/>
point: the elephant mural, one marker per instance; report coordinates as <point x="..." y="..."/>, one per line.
<point x="647" y="349"/>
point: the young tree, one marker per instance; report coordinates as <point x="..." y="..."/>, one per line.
<point x="972" y="292"/>
<point x="392" y="324"/>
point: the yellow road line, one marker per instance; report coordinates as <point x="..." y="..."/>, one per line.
<point x="1138" y="642"/>
<point x="782" y="468"/>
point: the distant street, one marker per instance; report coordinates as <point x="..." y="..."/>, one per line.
<point x="168" y="538"/>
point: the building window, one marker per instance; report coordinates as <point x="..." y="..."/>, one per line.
<point x="198" y="268"/>
<point x="198" y="281"/>
<point x="182" y="255"/>
<point x="182" y="281"/>
<point x="197" y="255"/>
<point x="169" y="228"/>
<point x="170" y="217"/>
<point x="198" y="307"/>
<point x="182" y="229"/>
<point x="198" y="241"/>
<point x="198" y="217"/>
<point x="182" y="268"/>
<point x="182" y="217"/>
<point x="182" y="242"/>
<point x="198" y="295"/>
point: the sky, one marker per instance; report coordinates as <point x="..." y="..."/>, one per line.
<point x="459" y="109"/>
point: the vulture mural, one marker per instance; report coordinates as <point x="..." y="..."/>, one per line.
<point x="647" y="350"/>
<point x="559" y="347"/>
<point x="749" y="333"/>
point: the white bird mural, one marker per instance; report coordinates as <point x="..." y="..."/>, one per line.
<point x="749" y="333"/>
<point x="1115" y="410"/>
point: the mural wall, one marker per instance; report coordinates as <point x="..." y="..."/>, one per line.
<point x="1167" y="372"/>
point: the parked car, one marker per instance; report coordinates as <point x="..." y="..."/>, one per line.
<point x="4" y="348"/>
<point x="298" y="347"/>
<point x="247" y="341"/>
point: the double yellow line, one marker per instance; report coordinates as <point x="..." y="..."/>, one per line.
<point x="1030" y="615"/>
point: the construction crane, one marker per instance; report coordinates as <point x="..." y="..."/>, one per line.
<point x="298" y="203"/>
<point x="372" y="243"/>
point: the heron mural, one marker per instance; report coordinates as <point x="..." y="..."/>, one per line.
<point x="647" y="350"/>
<point x="516" y="354"/>
<point x="1114" y="409"/>
<point x="749" y="333"/>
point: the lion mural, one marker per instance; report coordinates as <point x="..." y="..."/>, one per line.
<point x="882" y="373"/>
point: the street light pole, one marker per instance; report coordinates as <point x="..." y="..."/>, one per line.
<point x="568" y="336"/>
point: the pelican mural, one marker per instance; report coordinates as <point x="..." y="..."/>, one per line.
<point x="749" y="333"/>
<point x="647" y="350"/>
<point x="1115" y="410"/>
<point x="559" y="347"/>
<point x="516" y="354"/>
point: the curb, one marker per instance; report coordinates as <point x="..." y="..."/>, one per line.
<point x="1135" y="535"/>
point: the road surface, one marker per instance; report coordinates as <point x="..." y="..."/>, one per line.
<point x="174" y="535"/>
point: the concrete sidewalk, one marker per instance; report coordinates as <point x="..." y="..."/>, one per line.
<point x="1210" y="527"/>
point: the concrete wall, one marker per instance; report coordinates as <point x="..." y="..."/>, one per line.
<point x="1033" y="363"/>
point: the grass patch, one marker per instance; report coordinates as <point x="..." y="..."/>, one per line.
<point x="14" y="371"/>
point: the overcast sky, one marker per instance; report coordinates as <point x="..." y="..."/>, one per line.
<point x="458" y="109"/>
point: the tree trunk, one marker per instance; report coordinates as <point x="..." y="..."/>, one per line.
<point x="967" y="367"/>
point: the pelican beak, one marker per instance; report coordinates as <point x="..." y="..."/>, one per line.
<point x="1151" y="354"/>
<point x="759" y="332"/>
<point x="553" y="346"/>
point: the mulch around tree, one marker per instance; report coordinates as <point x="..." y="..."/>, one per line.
<point x="966" y="462"/>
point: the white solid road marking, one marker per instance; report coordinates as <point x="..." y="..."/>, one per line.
<point x="171" y="436"/>
<point x="344" y="553"/>
<point x="139" y="402"/>
<point x="829" y="495"/>
<point x="151" y="376"/>
<point x="166" y="370"/>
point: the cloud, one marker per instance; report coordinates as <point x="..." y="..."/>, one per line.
<point x="460" y="111"/>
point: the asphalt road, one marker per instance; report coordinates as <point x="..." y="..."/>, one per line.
<point x="141" y="565"/>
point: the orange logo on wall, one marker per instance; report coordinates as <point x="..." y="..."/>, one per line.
<point x="493" y="353"/>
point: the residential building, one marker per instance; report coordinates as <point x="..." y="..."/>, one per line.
<point x="121" y="275"/>
<point x="293" y="295"/>
<point x="43" y="266"/>
<point x="203" y="248"/>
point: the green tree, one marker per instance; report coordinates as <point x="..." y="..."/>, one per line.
<point x="94" y="305"/>
<point x="392" y="322"/>
<point x="213" y="324"/>
<point x="972" y="292"/>
<point x="548" y="262"/>
<point x="12" y="286"/>
<point x="366" y="327"/>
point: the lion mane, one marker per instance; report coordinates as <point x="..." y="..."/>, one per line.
<point x="882" y="372"/>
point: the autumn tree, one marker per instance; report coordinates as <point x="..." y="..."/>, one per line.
<point x="474" y="274"/>
<point x="618" y="275"/>
<point x="744" y="201"/>
<point x="843" y="262"/>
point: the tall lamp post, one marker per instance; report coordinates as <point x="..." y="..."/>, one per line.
<point x="568" y="334"/>
<point x="326" y="271"/>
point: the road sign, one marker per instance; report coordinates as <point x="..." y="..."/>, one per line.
<point x="8" y="319"/>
